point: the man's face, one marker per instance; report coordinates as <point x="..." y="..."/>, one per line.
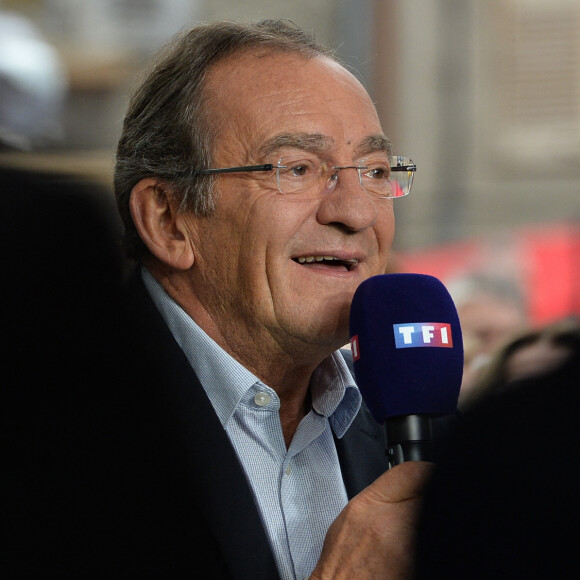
<point x="253" y="274"/>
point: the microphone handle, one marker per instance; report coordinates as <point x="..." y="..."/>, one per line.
<point x="409" y="438"/>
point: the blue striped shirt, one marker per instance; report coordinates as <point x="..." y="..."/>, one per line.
<point x="299" y="491"/>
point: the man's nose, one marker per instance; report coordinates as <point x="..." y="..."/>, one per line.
<point x="348" y="202"/>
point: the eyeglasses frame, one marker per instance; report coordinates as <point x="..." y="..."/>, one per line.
<point x="270" y="167"/>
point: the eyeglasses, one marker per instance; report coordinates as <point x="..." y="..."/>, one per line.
<point x="383" y="177"/>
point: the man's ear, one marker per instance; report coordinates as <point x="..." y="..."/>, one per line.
<point x="155" y="215"/>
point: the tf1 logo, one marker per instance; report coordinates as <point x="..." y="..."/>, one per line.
<point x="420" y="334"/>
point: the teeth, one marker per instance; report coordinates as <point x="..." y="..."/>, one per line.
<point x="310" y="259"/>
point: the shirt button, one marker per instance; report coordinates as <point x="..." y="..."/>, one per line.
<point x="262" y="399"/>
<point x="288" y="470"/>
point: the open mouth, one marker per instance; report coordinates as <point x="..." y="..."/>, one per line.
<point x="330" y="261"/>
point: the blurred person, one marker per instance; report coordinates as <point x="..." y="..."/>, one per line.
<point x="503" y="501"/>
<point x="535" y="351"/>
<point x="490" y="308"/>
<point x="90" y="478"/>
<point x="33" y="86"/>
<point x="255" y="185"/>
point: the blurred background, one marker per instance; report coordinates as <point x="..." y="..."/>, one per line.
<point x="484" y="95"/>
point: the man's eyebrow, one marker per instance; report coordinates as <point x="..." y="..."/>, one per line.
<point x="313" y="142"/>
<point x="373" y="144"/>
<point x="316" y="143"/>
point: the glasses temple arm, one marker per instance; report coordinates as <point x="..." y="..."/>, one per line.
<point x="243" y="169"/>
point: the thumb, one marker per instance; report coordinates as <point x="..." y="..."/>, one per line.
<point x="400" y="483"/>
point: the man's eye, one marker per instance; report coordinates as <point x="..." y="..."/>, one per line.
<point x="300" y="169"/>
<point x="378" y="172"/>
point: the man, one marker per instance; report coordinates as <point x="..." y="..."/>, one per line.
<point x="244" y="294"/>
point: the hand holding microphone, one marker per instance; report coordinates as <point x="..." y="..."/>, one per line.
<point x="408" y="358"/>
<point x="373" y="537"/>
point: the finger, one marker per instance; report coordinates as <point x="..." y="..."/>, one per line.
<point x="400" y="483"/>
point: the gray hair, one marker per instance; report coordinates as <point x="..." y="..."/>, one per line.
<point x="166" y="131"/>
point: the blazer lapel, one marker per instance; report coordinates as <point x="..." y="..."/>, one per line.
<point x="361" y="452"/>
<point x="362" y="449"/>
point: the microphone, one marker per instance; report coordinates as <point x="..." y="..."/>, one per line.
<point x="407" y="353"/>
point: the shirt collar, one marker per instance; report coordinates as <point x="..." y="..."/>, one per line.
<point x="335" y="394"/>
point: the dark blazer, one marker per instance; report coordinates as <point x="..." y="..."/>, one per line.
<point x="220" y="499"/>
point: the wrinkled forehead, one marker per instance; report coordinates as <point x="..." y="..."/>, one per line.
<point x="281" y="74"/>
<point x="259" y="95"/>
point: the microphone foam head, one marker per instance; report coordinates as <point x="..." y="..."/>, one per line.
<point x="407" y="346"/>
